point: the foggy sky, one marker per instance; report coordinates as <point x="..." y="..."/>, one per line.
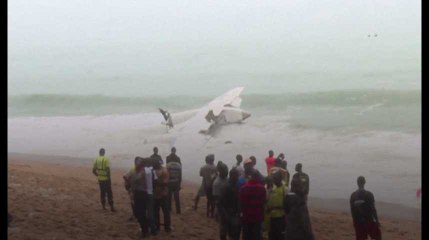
<point x="58" y="40"/>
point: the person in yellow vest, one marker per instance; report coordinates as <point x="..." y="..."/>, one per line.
<point x="275" y="208"/>
<point x="101" y="170"/>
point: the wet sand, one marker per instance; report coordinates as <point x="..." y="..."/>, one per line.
<point x="51" y="200"/>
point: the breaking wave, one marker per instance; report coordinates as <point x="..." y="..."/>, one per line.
<point x="60" y="105"/>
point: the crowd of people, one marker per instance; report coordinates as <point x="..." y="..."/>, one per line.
<point x="244" y="202"/>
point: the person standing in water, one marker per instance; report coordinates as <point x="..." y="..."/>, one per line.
<point x="101" y="169"/>
<point x="364" y="214"/>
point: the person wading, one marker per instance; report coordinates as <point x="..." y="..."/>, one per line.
<point x="101" y="169"/>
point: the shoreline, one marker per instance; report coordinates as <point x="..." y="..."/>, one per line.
<point x="385" y="209"/>
<point x="47" y="202"/>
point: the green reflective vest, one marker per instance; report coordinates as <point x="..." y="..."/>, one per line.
<point x="101" y="164"/>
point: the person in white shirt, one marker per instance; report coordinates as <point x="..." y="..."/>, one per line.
<point x="150" y="177"/>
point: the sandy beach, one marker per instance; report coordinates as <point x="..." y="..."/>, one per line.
<point x="52" y="200"/>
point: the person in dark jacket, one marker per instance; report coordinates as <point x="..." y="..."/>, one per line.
<point x="156" y="156"/>
<point x="298" y="225"/>
<point x="365" y="219"/>
<point x="173" y="156"/>
<point x="303" y="178"/>
<point x="229" y="208"/>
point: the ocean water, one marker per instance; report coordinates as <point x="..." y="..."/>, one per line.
<point x="320" y="86"/>
<point x="337" y="135"/>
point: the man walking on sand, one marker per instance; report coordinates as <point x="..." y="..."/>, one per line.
<point x="364" y="214"/>
<point x="101" y="169"/>
<point x="303" y="179"/>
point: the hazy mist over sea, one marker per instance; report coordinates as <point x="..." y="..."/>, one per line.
<point x="333" y="84"/>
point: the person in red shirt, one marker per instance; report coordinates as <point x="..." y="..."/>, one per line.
<point x="252" y="200"/>
<point x="270" y="161"/>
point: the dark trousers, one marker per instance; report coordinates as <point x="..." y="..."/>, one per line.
<point x="149" y="212"/>
<point x="173" y="191"/>
<point x="106" y="188"/>
<point x="211" y="204"/>
<point x="162" y="203"/>
<point x="140" y="198"/>
<point x="231" y="228"/>
<point x="277" y="228"/>
<point x="252" y="231"/>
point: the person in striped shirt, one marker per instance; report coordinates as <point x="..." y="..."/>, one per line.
<point x="252" y="200"/>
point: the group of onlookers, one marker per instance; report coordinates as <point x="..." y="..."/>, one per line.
<point x="151" y="187"/>
<point x="243" y="201"/>
<point x="250" y="203"/>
